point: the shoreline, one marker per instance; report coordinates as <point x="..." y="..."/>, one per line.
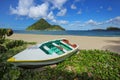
<point x="63" y="35"/>
<point x="72" y="33"/>
<point x="84" y="42"/>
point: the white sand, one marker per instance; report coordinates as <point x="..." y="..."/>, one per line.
<point x="84" y="42"/>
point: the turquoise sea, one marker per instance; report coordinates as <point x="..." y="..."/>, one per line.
<point x="73" y="32"/>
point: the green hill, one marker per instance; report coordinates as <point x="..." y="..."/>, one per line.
<point x="107" y="29"/>
<point x="112" y="28"/>
<point x="55" y="27"/>
<point x="44" y="25"/>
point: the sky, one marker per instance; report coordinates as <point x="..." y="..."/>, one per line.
<point x="70" y="14"/>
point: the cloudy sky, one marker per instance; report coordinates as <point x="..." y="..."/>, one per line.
<point x="70" y="14"/>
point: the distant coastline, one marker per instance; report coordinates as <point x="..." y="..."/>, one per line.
<point x="108" y="29"/>
<point x="101" y="33"/>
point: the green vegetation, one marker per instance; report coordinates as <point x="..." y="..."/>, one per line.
<point x="44" y="25"/>
<point x="55" y="27"/>
<point x="113" y="28"/>
<point x="107" y="29"/>
<point x="14" y="43"/>
<point x="3" y="33"/>
<point x="86" y="65"/>
<point x="98" y="29"/>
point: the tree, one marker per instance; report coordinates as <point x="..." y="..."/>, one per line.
<point x="9" y="32"/>
<point x="3" y="33"/>
<point x="113" y="28"/>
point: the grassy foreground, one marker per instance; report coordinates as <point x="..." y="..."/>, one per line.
<point x="86" y="65"/>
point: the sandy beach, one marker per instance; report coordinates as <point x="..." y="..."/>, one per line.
<point x="84" y="42"/>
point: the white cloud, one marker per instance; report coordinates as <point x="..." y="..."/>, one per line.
<point x="30" y="9"/>
<point x="38" y="11"/>
<point x="54" y="21"/>
<point x="101" y="7"/>
<point x="22" y="8"/>
<point x="109" y="8"/>
<point x="91" y="22"/>
<point x="27" y="8"/>
<point x="115" y="21"/>
<point x="63" y="22"/>
<point x="62" y="12"/>
<point x="51" y="16"/>
<point x="57" y="3"/>
<point x="60" y="22"/>
<point x="73" y="6"/>
<point x="79" y="12"/>
<point x="77" y="23"/>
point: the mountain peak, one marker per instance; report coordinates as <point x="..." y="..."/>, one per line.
<point x="42" y="24"/>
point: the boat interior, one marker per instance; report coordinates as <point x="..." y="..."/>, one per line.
<point x="58" y="46"/>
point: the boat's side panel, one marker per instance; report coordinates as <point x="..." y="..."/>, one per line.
<point x="33" y="54"/>
<point x="44" y="62"/>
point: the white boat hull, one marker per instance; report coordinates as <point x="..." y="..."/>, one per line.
<point x="36" y="57"/>
<point x="43" y="63"/>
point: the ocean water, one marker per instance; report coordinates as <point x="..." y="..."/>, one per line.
<point x="72" y="32"/>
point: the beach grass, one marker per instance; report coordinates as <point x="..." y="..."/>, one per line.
<point x="85" y="65"/>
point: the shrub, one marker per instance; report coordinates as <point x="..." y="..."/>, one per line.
<point x="14" y="43"/>
<point x="2" y="49"/>
<point x="3" y="33"/>
<point x="2" y="41"/>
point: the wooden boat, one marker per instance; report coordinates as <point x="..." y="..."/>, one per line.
<point x="47" y="53"/>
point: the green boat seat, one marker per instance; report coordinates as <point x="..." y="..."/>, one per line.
<point x="59" y="52"/>
<point x="66" y="44"/>
<point x="48" y="49"/>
